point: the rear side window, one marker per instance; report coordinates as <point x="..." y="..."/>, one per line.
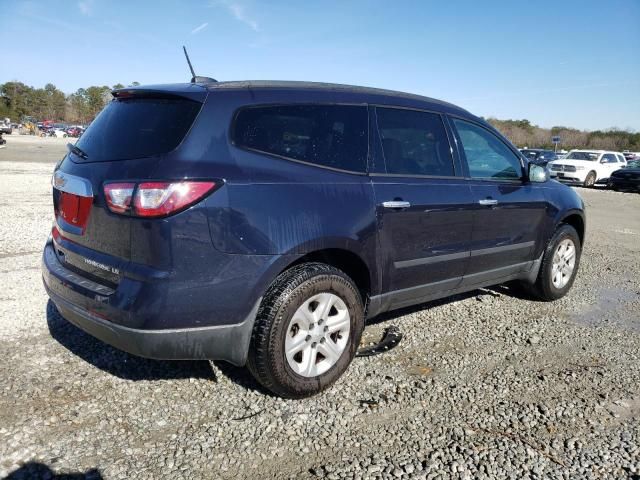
<point x="333" y="136"/>
<point x="138" y="127"/>
<point x="414" y="143"/>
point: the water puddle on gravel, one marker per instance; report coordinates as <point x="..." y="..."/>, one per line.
<point x="615" y="308"/>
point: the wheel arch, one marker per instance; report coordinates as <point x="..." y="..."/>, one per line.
<point x="577" y="221"/>
<point x="346" y="260"/>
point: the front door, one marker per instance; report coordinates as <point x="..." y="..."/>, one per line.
<point x="510" y="212"/>
<point x="424" y="209"/>
<point x="608" y="164"/>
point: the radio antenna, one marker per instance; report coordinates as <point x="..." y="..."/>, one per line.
<point x="193" y="74"/>
<point x="194" y="78"/>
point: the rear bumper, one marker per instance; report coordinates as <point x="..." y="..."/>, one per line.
<point x="224" y="342"/>
<point x="80" y="302"/>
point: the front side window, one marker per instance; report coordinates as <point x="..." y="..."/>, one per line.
<point x="487" y="156"/>
<point x="608" y="158"/>
<point x="414" y="143"/>
<point x="333" y="136"/>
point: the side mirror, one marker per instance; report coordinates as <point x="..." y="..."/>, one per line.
<point x="538" y="173"/>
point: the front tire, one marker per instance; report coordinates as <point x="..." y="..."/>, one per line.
<point x="307" y="330"/>
<point x="560" y="263"/>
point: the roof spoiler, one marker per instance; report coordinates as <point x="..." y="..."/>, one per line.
<point x="161" y="91"/>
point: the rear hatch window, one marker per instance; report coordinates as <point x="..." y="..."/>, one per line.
<point x="130" y="128"/>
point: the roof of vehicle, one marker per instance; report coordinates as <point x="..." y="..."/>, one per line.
<point x="281" y="85"/>
<point x="595" y="151"/>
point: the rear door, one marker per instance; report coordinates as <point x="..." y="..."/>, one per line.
<point x="424" y="209"/>
<point x="510" y="212"/>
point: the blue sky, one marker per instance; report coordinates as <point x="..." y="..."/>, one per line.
<point x="573" y="63"/>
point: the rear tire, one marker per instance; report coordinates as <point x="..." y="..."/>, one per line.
<point x="559" y="267"/>
<point x="590" y="181"/>
<point x="290" y="320"/>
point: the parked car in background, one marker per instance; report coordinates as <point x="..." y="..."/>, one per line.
<point x="627" y="178"/>
<point x="74" y="132"/>
<point x="5" y="126"/>
<point x="538" y="155"/>
<point x="261" y="223"/>
<point x="59" y="133"/>
<point x="587" y="167"/>
<point x="631" y="155"/>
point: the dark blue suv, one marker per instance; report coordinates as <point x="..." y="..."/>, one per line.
<point x="262" y="223"/>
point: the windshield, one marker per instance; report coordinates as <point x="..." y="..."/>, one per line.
<point x="531" y="154"/>
<point x="589" y="156"/>
<point x="137" y="128"/>
<point x="633" y="164"/>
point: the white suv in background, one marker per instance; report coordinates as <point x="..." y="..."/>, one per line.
<point x="587" y="167"/>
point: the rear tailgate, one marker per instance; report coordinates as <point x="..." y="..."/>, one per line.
<point x="127" y="141"/>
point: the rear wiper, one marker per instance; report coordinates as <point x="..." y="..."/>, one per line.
<point x="77" y="150"/>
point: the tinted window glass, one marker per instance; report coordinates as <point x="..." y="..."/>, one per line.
<point x="414" y="143"/>
<point x="531" y="154"/>
<point x="589" y="156"/>
<point x="138" y="127"/>
<point x="487" y="156"/>
<point x="609" y="158"/>
<point x="329" y="135"/>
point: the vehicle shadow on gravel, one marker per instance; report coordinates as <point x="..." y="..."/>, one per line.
<point x="117" y="362"/>
<point x="244" y="379"/>
<point x="130" y="367"/>
<point x="496" y="291"/>
<point x="40" y="470"/>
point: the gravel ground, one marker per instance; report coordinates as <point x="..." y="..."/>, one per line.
<point x="484" y="385"/>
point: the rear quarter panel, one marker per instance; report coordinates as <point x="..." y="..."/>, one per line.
<point x="275" y="206"/>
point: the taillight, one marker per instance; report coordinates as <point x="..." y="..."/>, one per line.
<point x="74" y="210"/>
<point x="119" y="196"/>
<point x="155" y="199"/>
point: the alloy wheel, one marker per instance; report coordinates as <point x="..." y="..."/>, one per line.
<point x="564" y="262"/>
<point x="317" y="335"/>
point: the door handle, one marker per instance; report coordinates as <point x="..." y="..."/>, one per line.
<point x="396" y="204"/>
<point x="489" y="202"/>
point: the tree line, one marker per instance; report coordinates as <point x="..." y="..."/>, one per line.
<point x="18" y="100"/>
<point x="523" y="134"/>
